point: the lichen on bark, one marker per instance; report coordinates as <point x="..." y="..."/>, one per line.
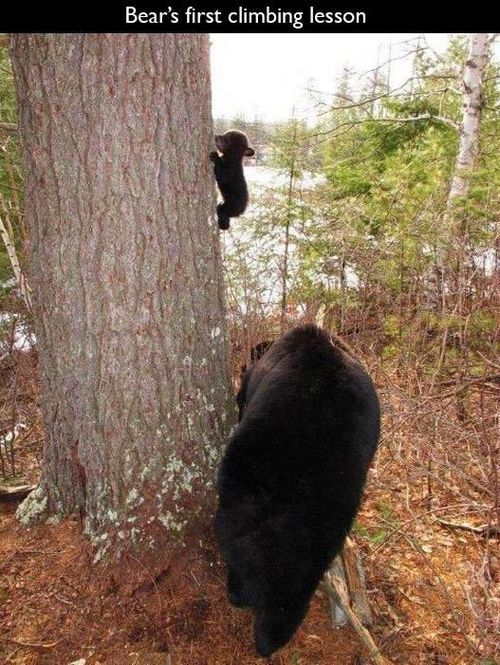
<point x="34" y="508"/>
<point x="127" y="282"/>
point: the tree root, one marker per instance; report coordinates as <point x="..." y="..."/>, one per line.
<point x="34" y="508"/>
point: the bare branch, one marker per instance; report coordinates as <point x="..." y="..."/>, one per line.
<point x="352" y="123"/>
<point x="8" y="127"/>
<point x="439" y="57"/>
<point x="423" y="116"/>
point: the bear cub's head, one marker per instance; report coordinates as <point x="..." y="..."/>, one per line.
<point x="234" y="144"/>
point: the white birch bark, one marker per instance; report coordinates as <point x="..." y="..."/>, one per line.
<point x="16" y="267"/>
<point x="473" y="81"/>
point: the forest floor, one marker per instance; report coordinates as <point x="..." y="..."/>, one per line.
<point x="434" y="588"/>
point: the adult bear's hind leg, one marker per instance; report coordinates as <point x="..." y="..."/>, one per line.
<point x="236" y="591"/>
<point x="276" y="625"/>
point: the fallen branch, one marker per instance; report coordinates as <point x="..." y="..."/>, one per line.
<point x="337" y="581"/>
<point x="8" y="127"/>
<point x="32" y="645"/>
<point x="466" y="380"/>
<point x="15" y="492"/>
<point x="334" y="586"/>
<point x="486" y="385"/>
<point x="486" y="531"/>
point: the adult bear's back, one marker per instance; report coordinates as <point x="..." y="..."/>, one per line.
<point x="310" y="409"/>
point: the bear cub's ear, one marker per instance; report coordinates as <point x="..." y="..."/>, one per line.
<point x="249" y="152"/>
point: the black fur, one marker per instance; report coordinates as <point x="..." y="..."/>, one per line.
<point x="228" y="169"/>
<point x="259" y="349"/>
<point x="292" y="477"/>
<point x="255" y="354"/>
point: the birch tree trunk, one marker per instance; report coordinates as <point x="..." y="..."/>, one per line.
<point x="465" y="165"/>
<point x="126" y="276"/>
<point x="475" y="66"/>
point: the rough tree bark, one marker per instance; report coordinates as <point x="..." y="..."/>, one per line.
<point x="475" y="67"/>
<point x="126" y="277"/>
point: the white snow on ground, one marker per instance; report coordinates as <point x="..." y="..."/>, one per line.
<point x="8" y="283"/>
<point x="11" y="436"/>
<point x="271" y="178"/>
<point x="487" y="261"/>
<point x="24" y="338"/>
<point x="264" y="253"/>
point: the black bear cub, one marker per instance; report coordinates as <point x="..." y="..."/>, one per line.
<point x="292" y="477"/>
<point x="228" y="169"/>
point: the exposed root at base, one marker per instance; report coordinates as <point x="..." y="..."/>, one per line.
<point x="34" y="508"/>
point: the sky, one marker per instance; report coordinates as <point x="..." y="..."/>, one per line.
<point x="266" y="76"/>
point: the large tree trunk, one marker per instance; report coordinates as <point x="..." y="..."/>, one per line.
<point x="475" y="67"/>
<point x="126" y="275"/>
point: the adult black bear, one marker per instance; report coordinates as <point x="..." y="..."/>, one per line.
<point x="228" y="170"/>
<point x="292" y="476"/>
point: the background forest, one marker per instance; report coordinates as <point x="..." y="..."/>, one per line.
<point x="357" y="222"/>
